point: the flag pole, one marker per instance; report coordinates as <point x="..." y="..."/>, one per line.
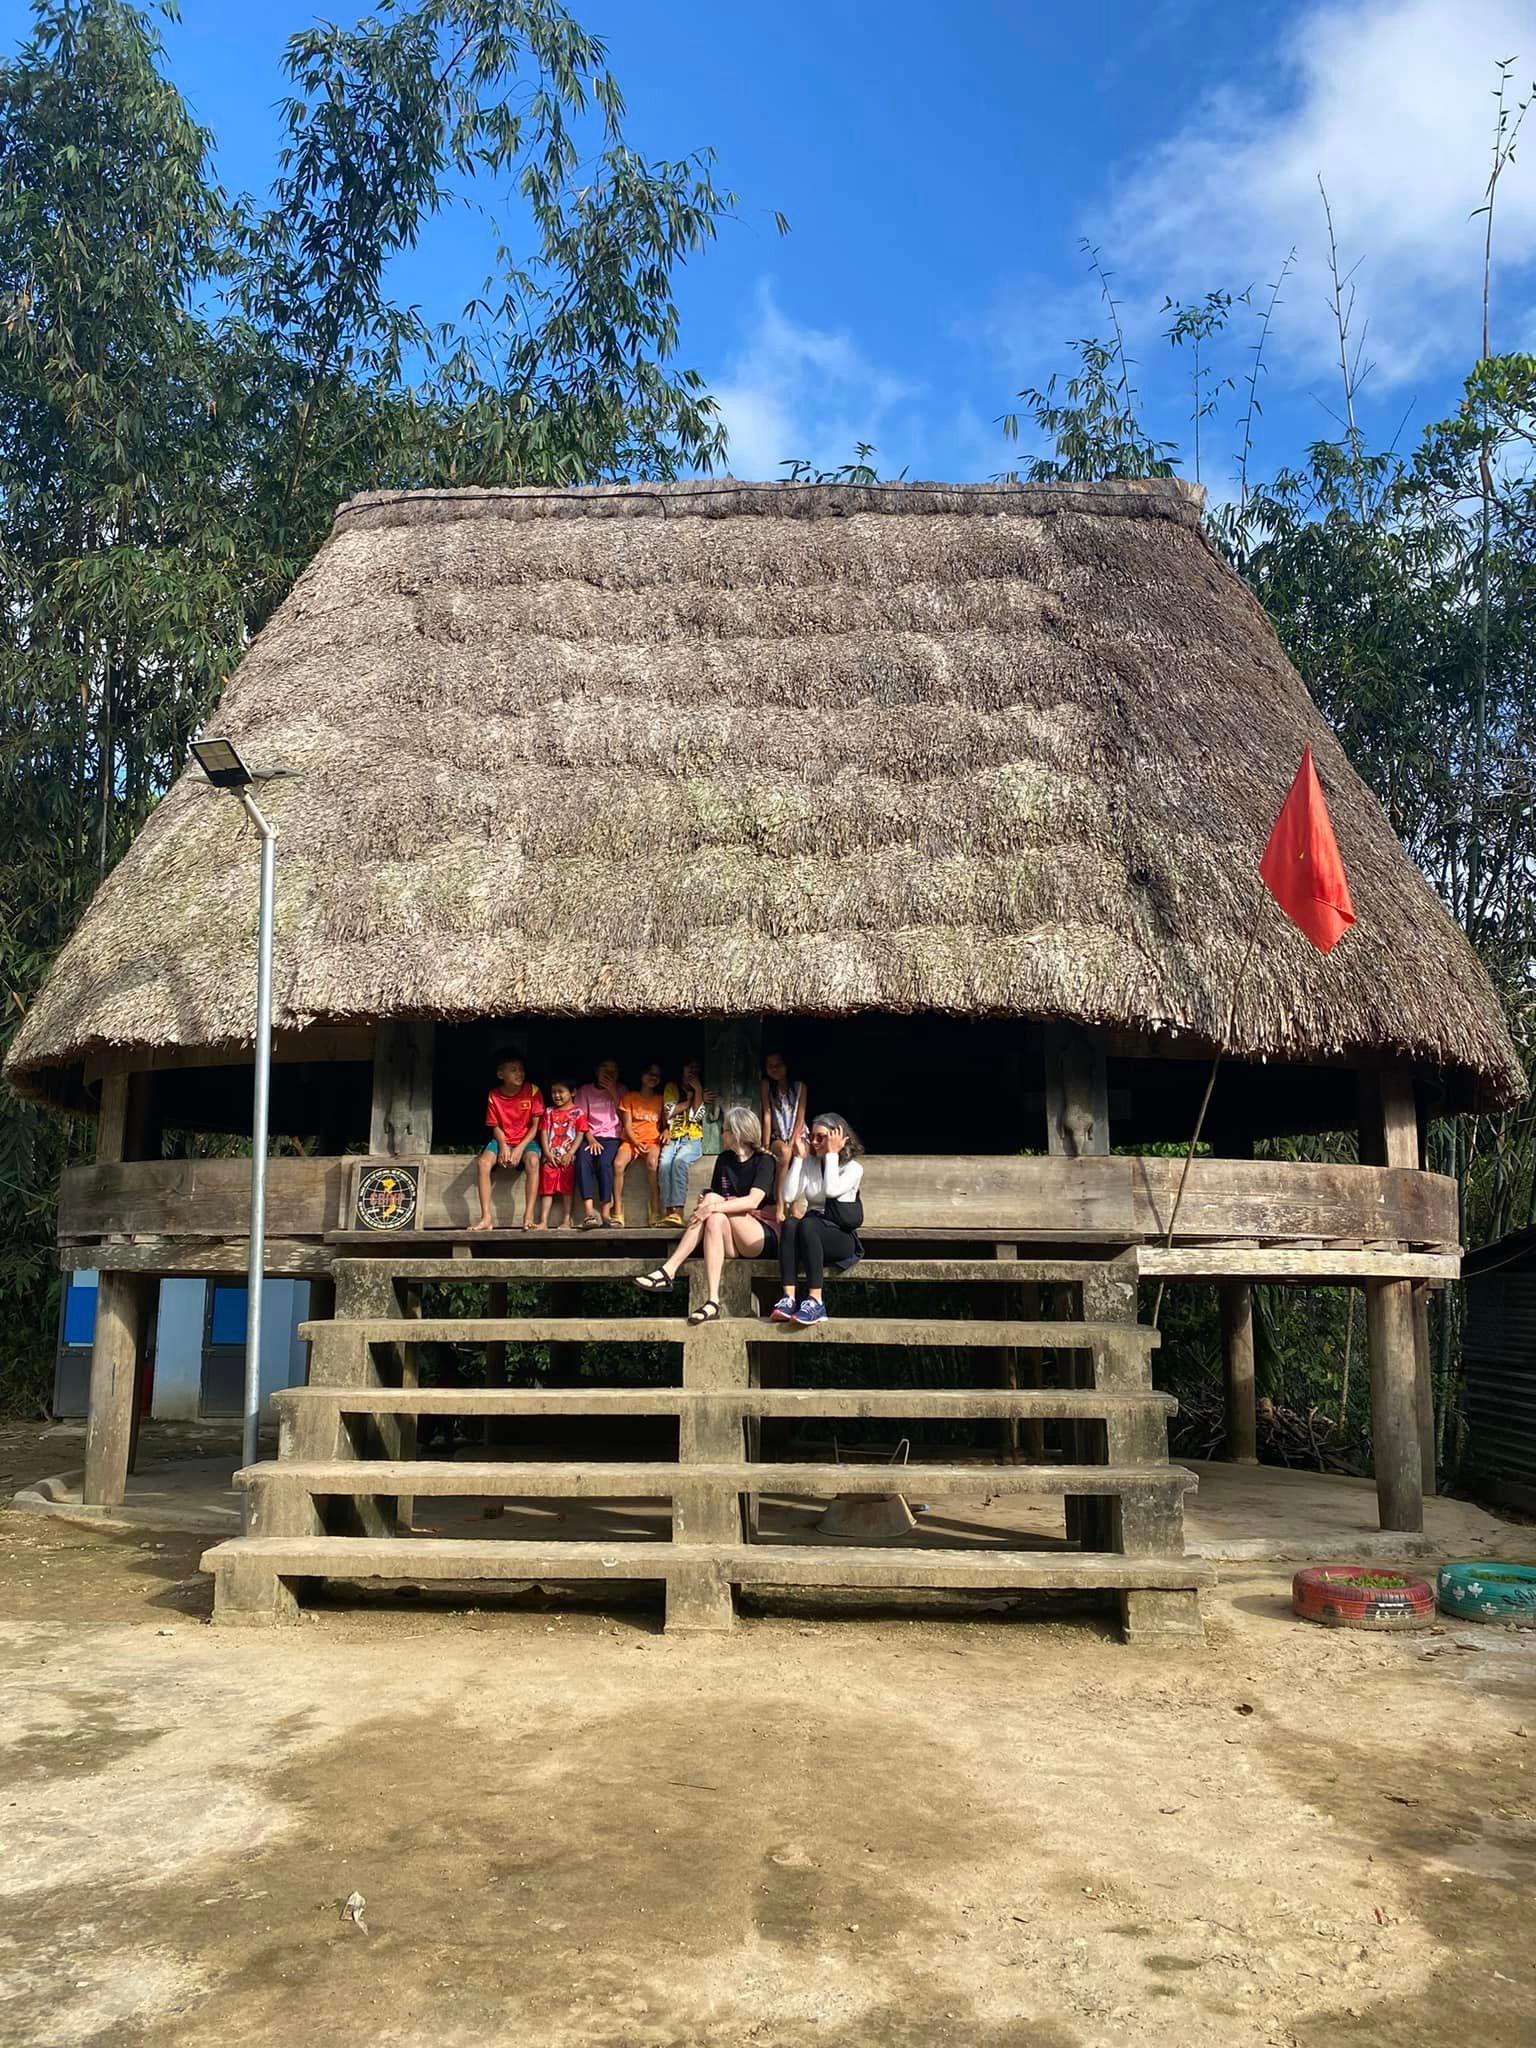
<point x="1222" y="1048"/>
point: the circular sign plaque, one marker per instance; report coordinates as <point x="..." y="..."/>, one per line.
<point x="387" y="1198"/>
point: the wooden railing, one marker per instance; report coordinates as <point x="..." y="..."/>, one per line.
<point x="1119" y="1199"/>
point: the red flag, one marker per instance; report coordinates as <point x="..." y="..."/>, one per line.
<point x="1301" y="865"/>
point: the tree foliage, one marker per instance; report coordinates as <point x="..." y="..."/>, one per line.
<point x="190" y="382"/>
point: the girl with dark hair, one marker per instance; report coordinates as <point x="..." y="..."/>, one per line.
<point x="783" y="1102"/>
<point x="827" y="1172"/>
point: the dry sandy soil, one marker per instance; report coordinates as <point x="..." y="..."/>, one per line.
<point x="574" y="1832"/>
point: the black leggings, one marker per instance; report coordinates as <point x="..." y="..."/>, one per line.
<point x="809" y="1241"/>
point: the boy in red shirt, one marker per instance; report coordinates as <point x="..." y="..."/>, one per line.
<point x="512" y="1115"/>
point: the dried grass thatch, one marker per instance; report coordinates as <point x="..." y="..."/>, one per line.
<point x="721" y="748"/>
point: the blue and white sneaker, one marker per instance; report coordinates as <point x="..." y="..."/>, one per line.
<point x="783" y="1310"/>
<point x="810" y="1312"/>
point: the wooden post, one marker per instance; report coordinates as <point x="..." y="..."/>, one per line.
<point x="401" y="1123"/>
<point x="1389" y="1118"/>
<point x="1424" y="1386"/>
<point x="1076" y="1125"/>
<point x="1389" y="1324"/>
<point x="1238" y="1373"/>
<point x="1076" y="1092"/>
<point x="120" y="1312"/>
<point x="733" y="1056"/>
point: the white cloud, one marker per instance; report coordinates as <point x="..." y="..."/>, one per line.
<point x="1389" y="100"/>
<point x="796" y="391"/>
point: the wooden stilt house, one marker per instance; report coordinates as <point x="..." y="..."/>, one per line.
<point x="957" y="794"/>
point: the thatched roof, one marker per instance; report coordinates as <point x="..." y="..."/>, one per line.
<point x="719" y="748"/>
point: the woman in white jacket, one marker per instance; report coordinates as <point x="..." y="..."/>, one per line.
<point x="827" y="1173"/>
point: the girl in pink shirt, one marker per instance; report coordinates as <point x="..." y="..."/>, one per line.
<point x="598" y="1102"/>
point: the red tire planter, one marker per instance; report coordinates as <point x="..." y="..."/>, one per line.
<point x="1362" y="1596"/>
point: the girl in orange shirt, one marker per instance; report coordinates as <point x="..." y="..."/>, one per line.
<point x="643" y="1112"/>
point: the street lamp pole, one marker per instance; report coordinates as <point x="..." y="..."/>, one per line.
<point x="221" y="763"/>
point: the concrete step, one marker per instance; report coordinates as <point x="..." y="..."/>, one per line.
<point x="656" y="1480"/>
<point x="903" y="1403"/>
<point x="943" y="1335"/>
<point x="257" y="1578"/>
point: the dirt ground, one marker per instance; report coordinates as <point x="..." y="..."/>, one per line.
<point x="913" y="1827"/>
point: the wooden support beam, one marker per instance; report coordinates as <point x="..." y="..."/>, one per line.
<point x="120" y="1321"/>
<point x="733" y="1059"/>
<point x="1390" y="1133"/>
<point x="401" y="1123"/>
<point x="112" y="1120"/>
<point x="1237" y="1357"/>
<point x="1424" y="1388"/>
<point x="1076" y="1092"/>
<point x="1394" y="1404"/>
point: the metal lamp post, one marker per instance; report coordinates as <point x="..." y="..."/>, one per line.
<point x="222" y="765"/>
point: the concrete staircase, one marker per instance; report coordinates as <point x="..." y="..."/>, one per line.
<point x="340" y="1500"/>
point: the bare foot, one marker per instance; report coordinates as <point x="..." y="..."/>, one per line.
<point x="483" y="1224"/>
<point x="537" y="1226"/>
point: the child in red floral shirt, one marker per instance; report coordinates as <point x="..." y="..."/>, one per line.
<point x="512" y="1115"/>
<point x="561" y="1129"/>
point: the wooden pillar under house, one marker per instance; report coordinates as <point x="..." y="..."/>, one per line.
<point x="1077" y="1127"/>
<point x="1390" y="1136"/>
<point x="119" y="1346"/>
<point x="1238" y="1376"/>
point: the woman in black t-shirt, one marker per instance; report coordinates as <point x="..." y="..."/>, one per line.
<point x="728" y="1218"/>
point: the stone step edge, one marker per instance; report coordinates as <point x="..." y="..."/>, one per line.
<point x="1045" y="1403"/>
<point x="629" y="1480"/>
<point x="414" y="1557"/>
<point x="983" y="1333"/>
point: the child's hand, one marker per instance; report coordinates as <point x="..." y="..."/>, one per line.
<point x="594" y="1147"/>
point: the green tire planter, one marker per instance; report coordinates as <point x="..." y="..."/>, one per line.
<point x="1488" y="1592"/>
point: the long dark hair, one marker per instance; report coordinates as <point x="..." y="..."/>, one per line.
<point x="829" y="1120"/>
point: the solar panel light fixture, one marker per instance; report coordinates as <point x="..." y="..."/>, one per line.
<point x="220" y="761"/>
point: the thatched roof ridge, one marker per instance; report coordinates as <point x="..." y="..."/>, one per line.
<point x="721" y="748"/>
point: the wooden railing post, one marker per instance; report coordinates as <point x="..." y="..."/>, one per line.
<point x="401" y="1121"/>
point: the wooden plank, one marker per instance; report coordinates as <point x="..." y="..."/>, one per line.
<point x="1291" y="1264"/>
<point x="1269" y="1198"/>
<point x="114" y="1388"/>
<point x="1238" y="1375"/>
<point x="198" y="1198"/>
<point x="400" y="1124"/>
<point x="803" y="1403"/>
<point x="1076" y="1093"/>
<point x="1054" y="1201"/>
<point x="1394" y="1406"/>
<point x="626" y="1480"/>
<point x="194" y="1258"/>
<point x="786" y="1564"/>
<point x="904" y="1331"/>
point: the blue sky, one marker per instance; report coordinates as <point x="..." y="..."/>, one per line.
<point x="940" y="165"/>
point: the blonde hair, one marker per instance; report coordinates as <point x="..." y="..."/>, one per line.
<point x="742" y="1129"/>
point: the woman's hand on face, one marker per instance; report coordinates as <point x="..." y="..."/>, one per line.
<point x="834" y="1140"/>
<point x="802" y="1147"/>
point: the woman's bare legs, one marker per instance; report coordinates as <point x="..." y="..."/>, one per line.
<point x="719" y="1245"/>
<point x="686" y="1245"/>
